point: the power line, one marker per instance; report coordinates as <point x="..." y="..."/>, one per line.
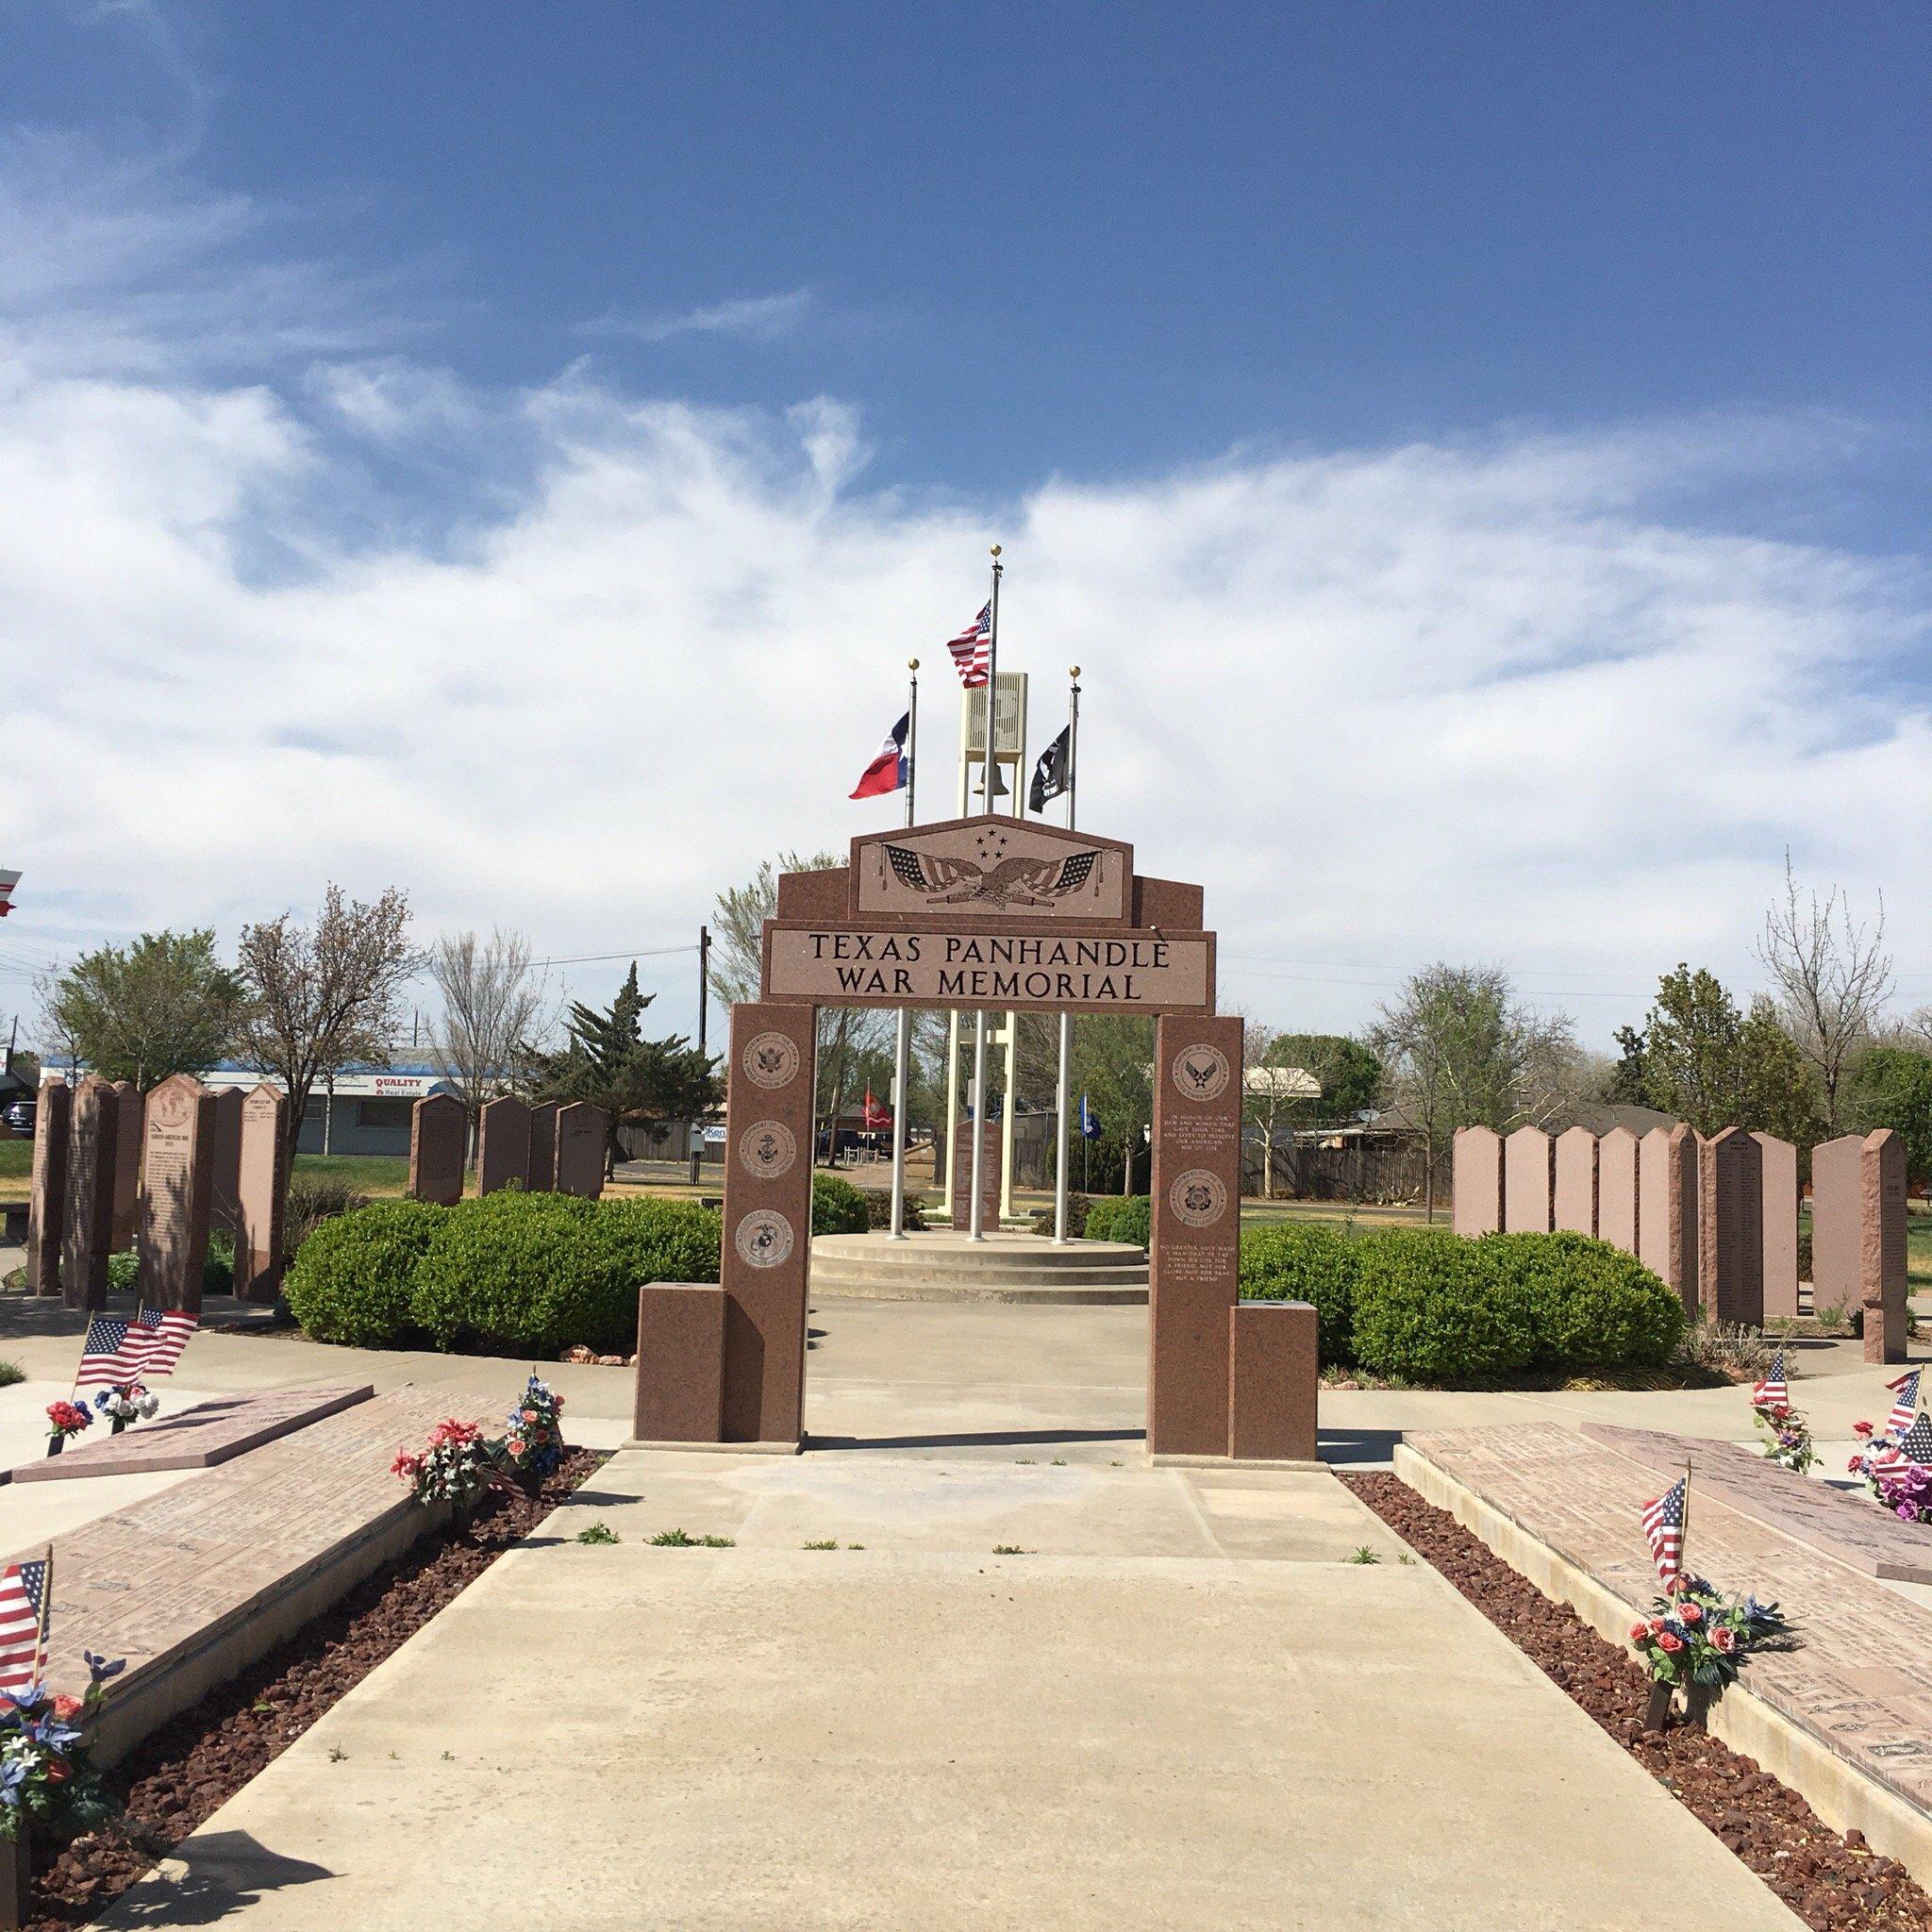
<point x="629" y="953"/>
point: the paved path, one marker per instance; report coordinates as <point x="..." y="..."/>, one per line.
<point x="1183" y="1708"/>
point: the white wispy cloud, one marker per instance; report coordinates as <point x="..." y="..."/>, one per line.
<point x="758" y="318"/>
<point x="1524" y="698"/>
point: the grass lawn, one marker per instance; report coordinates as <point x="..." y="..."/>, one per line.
<point x="367" y="1173"/>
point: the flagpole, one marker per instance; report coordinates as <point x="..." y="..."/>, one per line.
<point x="1065" y="1093"/>
<point x="46" y="1614"/>
<point x="902" y="1046"/>
<point x="975" y="1218"/>
<point x="1684" y="1533"/>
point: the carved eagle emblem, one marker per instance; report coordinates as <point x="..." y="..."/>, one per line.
<point x="1018" y="881"/>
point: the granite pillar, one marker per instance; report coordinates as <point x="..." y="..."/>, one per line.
<point x="1528" y="1182"/>
<point x="1667" y="1208"/>
<point x="1616" y="1189"/>
<point x="1778" y="1176"/>
<point x="1272" y="1375"/>
<point x="1195" y="1245"/>
<point x="582" y="1138"/>
<point x="960" y="1177"/>
<point x="130" y="1120"/>
<point x="1858" y="1237"/>
<point x="543" y="1147"/>
<point x="224" y="1163"/>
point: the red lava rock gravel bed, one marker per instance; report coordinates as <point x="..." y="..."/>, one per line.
<point x="200" y="1759"/>
<point x="1835" y="1884"/>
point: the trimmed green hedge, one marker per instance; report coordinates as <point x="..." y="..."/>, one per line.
<point x="838" y="1207"/>
<point x="516" y="1273"/>
<point x="1119" y="1217"/>
<point x="1306" y="1261"/>
<point x="1423" y="1305"/>
<point x="353" y="1277"/>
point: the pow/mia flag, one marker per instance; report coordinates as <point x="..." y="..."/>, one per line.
<point x="1054" y="773"/>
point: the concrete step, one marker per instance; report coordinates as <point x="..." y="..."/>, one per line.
<point x="1006" y="1266"/>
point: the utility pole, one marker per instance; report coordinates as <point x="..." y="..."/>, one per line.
<point x="698" y="1136"/>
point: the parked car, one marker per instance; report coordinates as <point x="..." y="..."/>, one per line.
<point x="20" y="1117"/>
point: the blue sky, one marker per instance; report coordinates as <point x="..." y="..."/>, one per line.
<point x="1412" y="377"/>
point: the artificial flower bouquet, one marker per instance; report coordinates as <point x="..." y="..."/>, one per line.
<point x="125" y="1403"/>
<point x="533" y="1433"/>
<point x="66" y="1419"/>
<point x="1698" y="1637"/>
<point x="454" y="1466"/>
<point x="47" y="1778"/>
<point x="1786" y="1435"/>
<point x="1903" y="1487"/>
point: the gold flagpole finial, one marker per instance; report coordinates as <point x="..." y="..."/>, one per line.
<point x="995" y="549"/>
<point x="912" y="663"/>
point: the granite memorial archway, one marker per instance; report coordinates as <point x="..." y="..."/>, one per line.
<point x="994" y="913"/>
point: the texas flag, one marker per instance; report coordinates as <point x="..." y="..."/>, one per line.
<point x="887" y="771"/>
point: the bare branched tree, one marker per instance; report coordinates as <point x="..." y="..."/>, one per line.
<point x="492" y="1009"/>
<point x="1833" y="977"/>
<point x="323" y="997"/>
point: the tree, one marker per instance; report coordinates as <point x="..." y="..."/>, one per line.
<point x="1833" y="976"/>
<point x="1461" y="1051"/>
<point x="1891" y="1087"/>
<point x="1700" y="1058"/>
<point x="1348" y="1073"/>
<point x="845" y="1034"/>
<point x="163" y="1005"/>
<point x="607" y="1061"/>
<point x="323" y="997"/>
<point x="1114" y="1066"/>
<point x="492" y="1006"/>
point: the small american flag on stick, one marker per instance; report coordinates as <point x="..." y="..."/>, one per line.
<point x="24" y="1589"/>
<point x="1904" y="1403"/>
<point x="973" y="650"/>
<point x="119" y="1351"/>
<point x="1663" y="1529"/>
<point x="1773" y="1389"/>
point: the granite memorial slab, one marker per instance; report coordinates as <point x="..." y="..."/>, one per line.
<point x="960" y="1175"/>
<point x="1616" y="1189"/>
<point x="543" y="1147"/>
<point x="1858" y="1236"/>
<point x="46" y="1222"/>
<point x="1858" y="1684"/>
<point x="502" y="1144"/>
<point x="438" y="1140"/>
<point x="198" y="1437"/>
<point x="259" y="1195"/>
<point x="1574" y="1198"/>
<point x="1730" y="1229"/>
<point x="583" y="1135"/>
<point x="1478" y="1181"/>
<point x="130" y="1124"/>
<point x="224" y="1161"/>
<point x="1667" y="1208"/>
<point x="172" y="1242"/>
<point x="1778" y="1178"/>
<point x="93" y="1148"/>
<point x="1528" y="1182"/>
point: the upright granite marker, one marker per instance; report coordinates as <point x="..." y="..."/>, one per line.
<point x="960" y="1177"/>
<point x="224" y="1161"/>
<point x="93" y="1146"/>
<point x="503" y="1146"/>
<point x="173" y="1241"/>
<point x="1528" y="1182"/>
<point x="1194" y="1247"/>
<point x="259" y="1195"/>
<point x="543" y="1147"/>
<point x="439" y="1134"/>
<point x="1778" y="1175"/>
<point x="583" y="1134"/>
<point x="1616" y="1189"/>
<point x="767" y="1246"/>
<point x="1858" y="1236"/>
<point x="130" y="1121"/>
<point x="1576" y="1187"/>
<point x="1478" y="1181"/>
<point x="46" y="1218"/>
<point x="1730" y="1229"/>
<point x="1667" y="1208"/>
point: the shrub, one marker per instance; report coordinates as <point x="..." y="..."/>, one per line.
<point x="1590" y="1305"/>
<point x="647" y="1241"/>
<point x="1306" y="1261"/>
<point x="511" y="1270"/>
<point x="123" y="1271"/>
<point x="1119" y="1217"/>
<point x="836" y="1206"/>
<point x="354" y="1279"/>
<point x="878" y="1210"/>
<point x="311" y="1200"/>
<point x="1078" y="1209"/>
<point x="1420" y="1316"/>
<point x="218" y="1264"/>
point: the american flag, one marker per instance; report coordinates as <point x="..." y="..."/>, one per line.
<point x="22" y="1594"/>
<point x="119" y="1351"/>
<point x="1906" y="1405"/>
<point x="973" y="650"/>
<point x="1917" y="1445"/>
<point x="1773" y="1389"/>
<point x="1888" y="1460"/>
<point x="1663" y="1530"/>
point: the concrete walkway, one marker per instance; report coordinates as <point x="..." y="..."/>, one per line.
<point x="1184" y="1706"/>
